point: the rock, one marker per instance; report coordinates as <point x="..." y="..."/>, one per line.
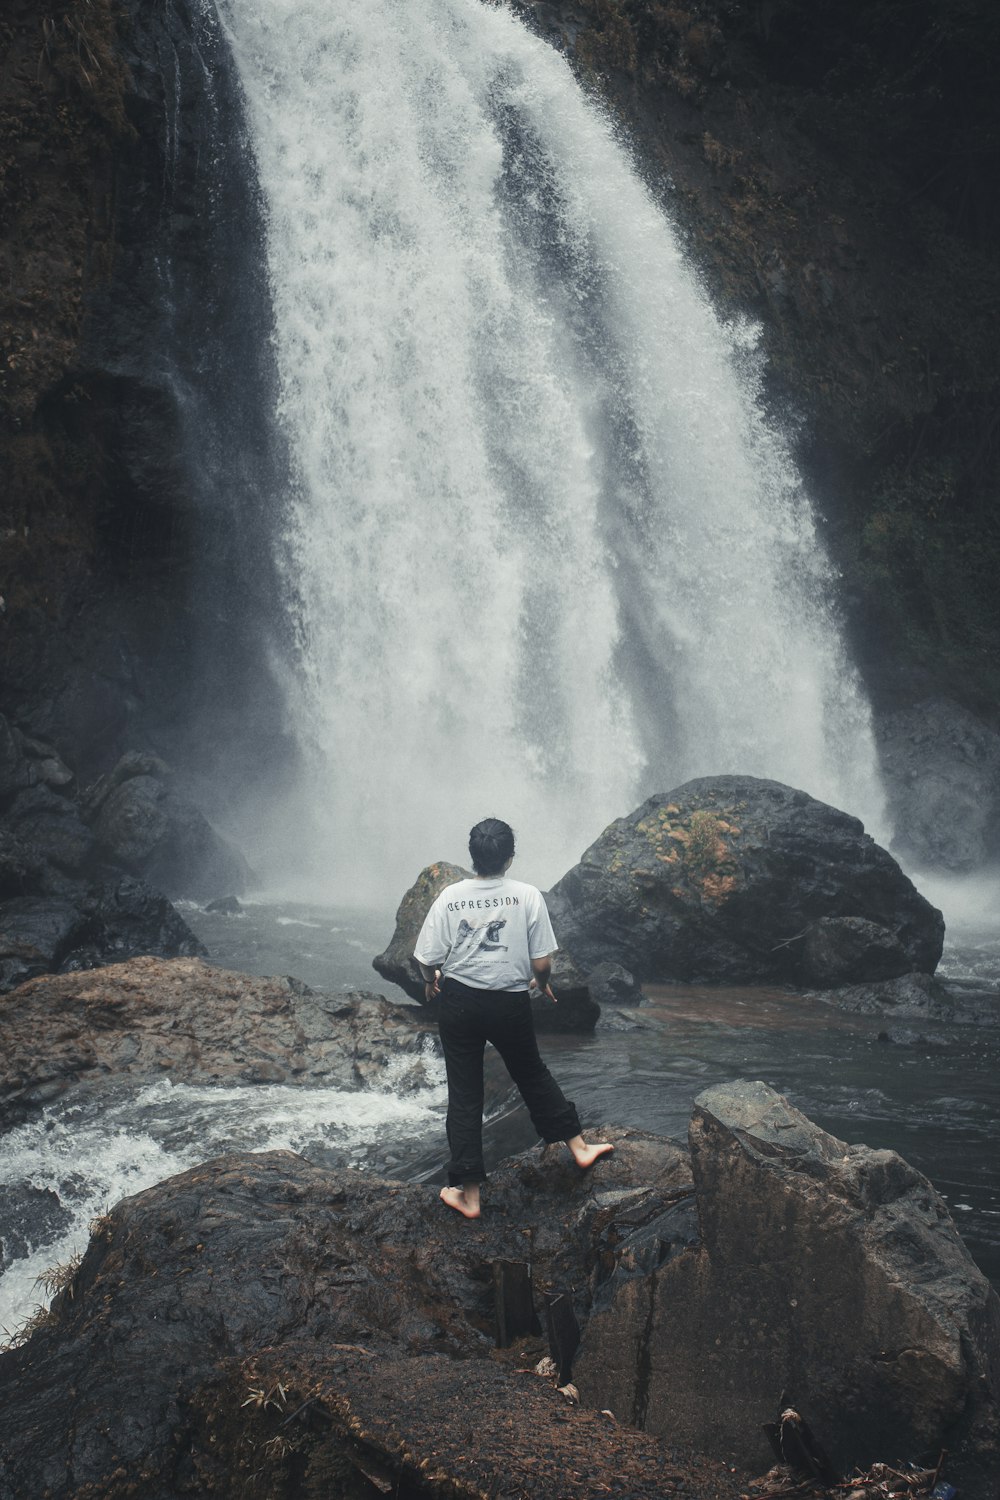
<point x="919" y="997"/>
<point x="30" y="1216"/>
<point x="21" y="870"/>
<point x="63" y="904"/>
<point x="87" y="927"/>
<point x="144" y="1016"/>
<point x="132" y="764"/>
<point x="44" y="760"/>
<point x="575" y="1009"/>
<point x="941" y="766"/>
<point x="610" y="984"/>
<point x="51" y="826"/>
<point x="322" y="1321"/>
<point x="838" y="950"/>
<point x="36" y="934"/>
<point x="396" y="963"/>
<point x="156" y="833"/>
<point x="15" y="773"/>
<point x="827" y="1276"/>
<point x="722" y="880"/>
<point x="332" y="1327"/>
<point x="126" y="918"/>
<point x="228" y="906"/>
<point x="90" y="714"/>
<point x="25" y="761"/>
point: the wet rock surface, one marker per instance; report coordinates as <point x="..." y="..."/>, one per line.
<point x="610" y="984"/>
<point x="731" y="879"/>
<point x="840" y="949"/>
<point x="827" y="1276"/>
<point x="919" y="997"/>
<point x="74" y="865"/>
<point x="942" y="768"/>
<point x="575" y="1008"/>
<point x="397" y="963"/>
<point x="86" y="927"/>
<point x="142" y="822"/>
<point x="149" y="1017"/>
<point x="516" y="1436"/>
<point x="323" y="1332"/>
<point x="138" y="581"/>
<point x="367" y="1301"/>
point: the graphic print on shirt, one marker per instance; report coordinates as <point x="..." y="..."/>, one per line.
<point x="490" y="942"/>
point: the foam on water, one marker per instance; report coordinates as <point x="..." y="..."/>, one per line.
<point x="546" y="553"/>
<point x="84" y="1160"/>
<point x="971" y="906"/>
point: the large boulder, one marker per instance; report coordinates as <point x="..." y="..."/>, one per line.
<point x="72" y="892"/>
<point x="262" y="1321"/>
<point x="396" y="963"/>
<point x="142" y="822"/>
<point x="36" y="934"/>
<point x="828" y="1277"/>
<point x="738" y="880"/>
<point x="87" y="926"/>
<point x="942" y="773"/>
<point x="151" y="1017"/>
<point x="575" y="1008"/>
<point x="340" y="1332"/>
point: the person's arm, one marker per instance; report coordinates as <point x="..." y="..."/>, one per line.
<point x="430" y="977"/>
<point x="540" y="935"/>
<point x="541" y="968"/>
<point x="431" y="940"/>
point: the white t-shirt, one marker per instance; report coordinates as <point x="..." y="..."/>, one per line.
<point x="486" y="932"/>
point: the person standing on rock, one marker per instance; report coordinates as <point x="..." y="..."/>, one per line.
<point x="484" y="943"/>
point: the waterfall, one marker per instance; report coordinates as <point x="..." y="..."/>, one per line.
<point x="545" y="551"/>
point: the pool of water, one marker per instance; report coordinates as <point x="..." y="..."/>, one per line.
<point x="929" y="1091"/>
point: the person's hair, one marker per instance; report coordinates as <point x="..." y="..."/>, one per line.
<point x="491" y="845"/>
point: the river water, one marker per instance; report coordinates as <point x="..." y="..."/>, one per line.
<point x="931" y="1092"/>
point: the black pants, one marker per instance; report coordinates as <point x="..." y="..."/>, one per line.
<point x="469" y="1019"/>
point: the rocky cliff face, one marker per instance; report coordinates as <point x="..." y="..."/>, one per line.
<point x="137" y="563"/>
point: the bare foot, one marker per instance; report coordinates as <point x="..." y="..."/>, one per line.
<point x="456" y="1198"/>
<point x="585" y="1155"/>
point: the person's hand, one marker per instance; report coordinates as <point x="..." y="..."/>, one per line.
<point x="432" y="988"/>
<point x="547" y="991"/>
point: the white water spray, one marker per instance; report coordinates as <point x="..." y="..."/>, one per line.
<point x="545" y="553"/>
<point x="63" y="1170"/>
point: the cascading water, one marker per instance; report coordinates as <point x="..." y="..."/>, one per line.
<point x="545" y="551"/>
<point x="65" y="1169"/>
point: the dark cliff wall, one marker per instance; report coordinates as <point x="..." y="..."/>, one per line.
<point x="62" y="118"/>
<point x="138" y="567"/>
<point x="834" y="168"/>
